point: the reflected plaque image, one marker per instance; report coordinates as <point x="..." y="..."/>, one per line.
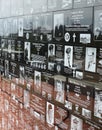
<point x="20" y="27"/>
<point x="36" y="28"/>
<point x="46" y="27"/>
<point x="98" y="24"/>
<point x="28" y="27"/>
<point x="58" y="26"/>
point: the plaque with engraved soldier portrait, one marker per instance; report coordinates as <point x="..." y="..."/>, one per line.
<point x="14" y="69"/>
<point x="27" y="49"/>
<point x="46" y="27"/>
<point x="90" y="59"/>
<point x="68" y="59"/>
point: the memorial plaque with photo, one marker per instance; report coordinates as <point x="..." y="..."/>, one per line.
<point x="98" y="105"/>
<point x="90" y="59"/>
<point x="38" y="105"/>
<point x="59" y="88"/>
<point x="76" y="123"/>
<point x="36" y="28"/>
<point x="29" y="77"/>
<point x="21" y="74"/>
<point x="47" y="85"/>
<point x="81" y="95"/>
<point x="4" y="48"/>
<point x="98" y="24"/>
<point x="19" y="50"/>
<point x="46" y="27"/>
<point x="79" y="55"/>
<point x="37" y="81"/>
<point x="68" y="60"/>
<point x="28" y="28"/>
<point x="1" y="65"/>
<point x="58" y="27"/>
<point x="9" y="49"/>
<point x="38" y="55"/>
<point x="62" y="120"/>
<point x="59" y="55"/>
<point x="51" y="51"/>
<point x="78" y="26"/>
<point x="26" y="99"/>
<point x="13" y="52"/>
<point x="14" y="69"/>
<point x="27" y="49"/>
<point x="6" y="67"/>
<point x="50" y="113"/>
<point x="28" y="7"/>
<point x="99" y="63"/>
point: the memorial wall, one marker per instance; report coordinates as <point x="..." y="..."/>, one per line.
<point x="51" y="64"/>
